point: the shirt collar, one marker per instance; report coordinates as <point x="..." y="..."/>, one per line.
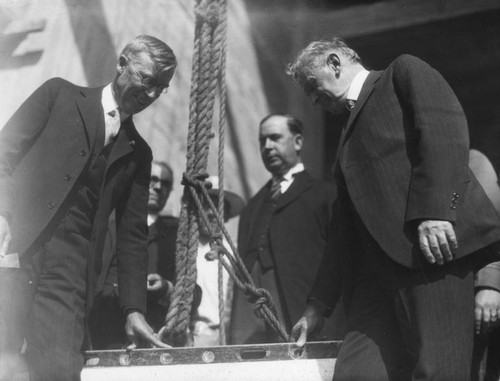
<point x="299" y="167"/>
<point x="108" y="101"/>
<point x="152" y="218"/>
<point x="357" y="84"/>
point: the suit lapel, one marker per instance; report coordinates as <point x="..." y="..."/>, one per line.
<point x="124" y="142"/>
<point x="301" y="182"/>
<point x="366" y="91"/>
<point x="91" y="112"/>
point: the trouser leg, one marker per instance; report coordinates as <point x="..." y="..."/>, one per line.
<point x="56" y="329"/>
<point x="373" y="349"/>
<point x="431" y="311"/>
<point x="15" y="294"/>
<point x="439" y="303"/>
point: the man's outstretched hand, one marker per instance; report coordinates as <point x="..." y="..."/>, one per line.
<point x="139" y="332"/>
<point x="308" y="325"/>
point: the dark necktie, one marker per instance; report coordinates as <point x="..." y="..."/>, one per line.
<point x="276" y="188"/>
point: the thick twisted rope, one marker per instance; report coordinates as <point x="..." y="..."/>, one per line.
<point x="208" y="76"/>
<point x="222" y="36"/>
<point x="203" y="91"/>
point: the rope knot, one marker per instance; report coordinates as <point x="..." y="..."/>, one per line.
<point x="215" y="251"/>
<point x="259" y="299"/>
<point x="208" y="13"/>
<point x="196" y="180"/>
<point x="212" y="255"/>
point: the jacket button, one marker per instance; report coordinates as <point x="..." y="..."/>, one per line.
<point x="51" y="205"/>
<point x="132" y="143"/>
<point x="83" y="153"/>
<point x="68" y="177"/>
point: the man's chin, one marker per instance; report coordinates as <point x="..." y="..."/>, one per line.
<point x="153" y="208"/>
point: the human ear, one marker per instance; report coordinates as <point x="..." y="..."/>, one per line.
<point x="122" y="62"/>
<point x="298" y="140"/>
<point x="333" y="62"/>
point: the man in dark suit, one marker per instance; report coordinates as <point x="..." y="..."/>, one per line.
<point x="282" y="232"/>
<point x="106" y="319"/>
<point x="414" y="221"/>
<point x="68" y="157"/>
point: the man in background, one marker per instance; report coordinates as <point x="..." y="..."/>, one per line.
<point x="282" y="232"/>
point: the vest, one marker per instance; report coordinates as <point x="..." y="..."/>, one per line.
<point x="260" y="246"/>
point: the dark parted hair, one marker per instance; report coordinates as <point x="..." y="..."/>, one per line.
<point x="295" y="126"/>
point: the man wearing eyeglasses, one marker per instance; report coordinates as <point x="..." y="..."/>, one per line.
<point x="106" y="321"/>
<point x="68" y="157"/>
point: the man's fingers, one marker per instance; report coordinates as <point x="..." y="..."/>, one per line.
<point x="493" y="316"/>
<point x="445" y="248"/>
<point x="154" y="339"/>
<point x="132" y="347"/>
<point x="299" y="332"/>
<point x="452" y="238"/>
<point x="424" y="247"/>
<point x="303" y="337"/>
<point x="435" y="249"/>
<point x="478" y="318"/>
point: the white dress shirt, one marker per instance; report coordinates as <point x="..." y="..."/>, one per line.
<point x="207" y="278"/>
<point x="287" y="178"/>
<point x="357" y="85"/>
<point x="112" y="122"/>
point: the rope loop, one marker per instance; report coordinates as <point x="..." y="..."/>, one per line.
<point x="216" y="251"/>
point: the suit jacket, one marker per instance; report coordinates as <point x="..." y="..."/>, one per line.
<point x="44" y="148"/>
<point x="403" y="158"/>
<point x="297" y="234"/>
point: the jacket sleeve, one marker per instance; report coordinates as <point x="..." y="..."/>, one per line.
<point x="489" y="276"/>
<point x="19" y="134"/>
<point x="132" y="238"/>
<point x="437" y="140"/>
<point x="326" y="288"/>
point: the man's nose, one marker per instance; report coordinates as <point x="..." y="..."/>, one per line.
<point x="314" y="99"/>
<point x="268" y="144"/>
